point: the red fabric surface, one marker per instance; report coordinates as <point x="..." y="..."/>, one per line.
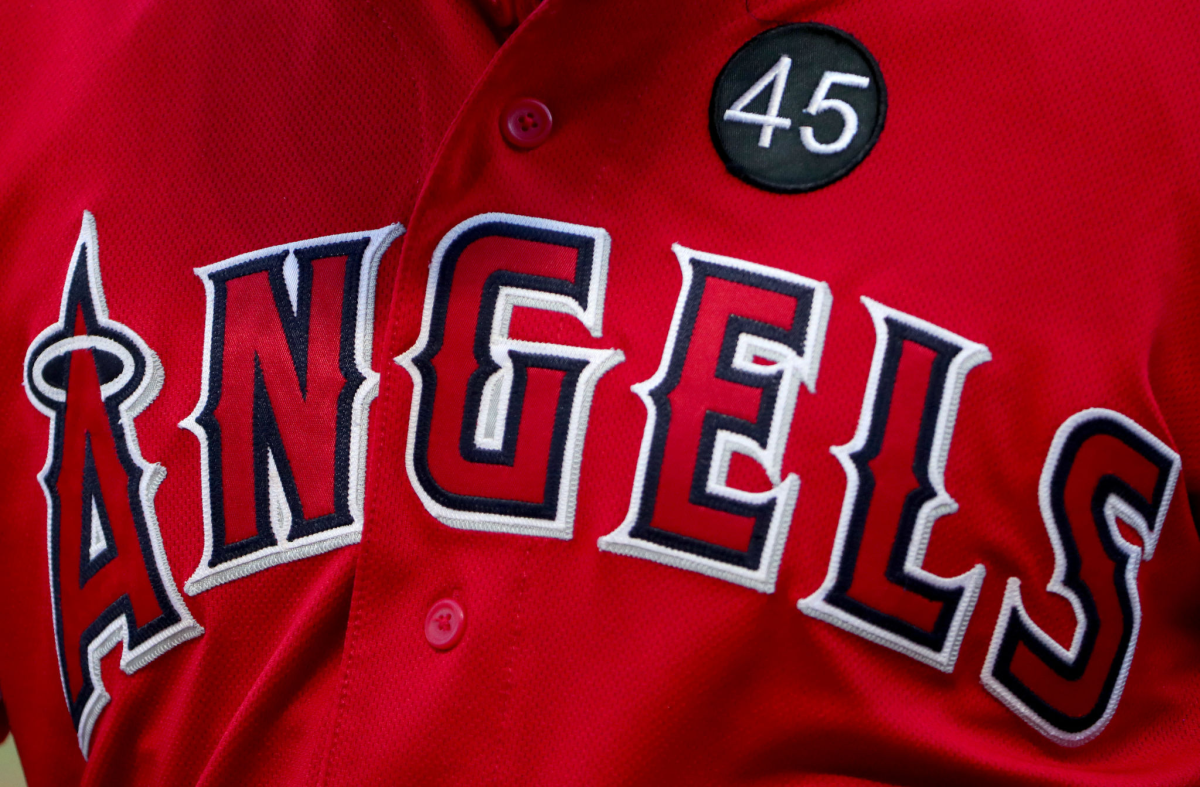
<point x="1033" y="191"/>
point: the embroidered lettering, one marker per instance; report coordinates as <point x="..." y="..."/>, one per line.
<point x="510" y="414"/>
<point x="1102" y="469"/>
<point x="287" y="388"/>
<point x="109" y="577"/>
<point x="895" y="491"/>
<point x="691" y="507"/>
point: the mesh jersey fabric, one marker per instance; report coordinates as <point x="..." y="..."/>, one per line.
<point x="1032" y="192"/>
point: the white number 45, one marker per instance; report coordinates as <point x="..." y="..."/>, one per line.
<point x="777" y="76"/>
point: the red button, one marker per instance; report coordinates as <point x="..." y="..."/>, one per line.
<point x="526" y="123"/>
<point x="444" y="624"/>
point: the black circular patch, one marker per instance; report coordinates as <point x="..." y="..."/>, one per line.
<point x="830" y="103"/>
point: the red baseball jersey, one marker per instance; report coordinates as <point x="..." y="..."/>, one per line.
<point x="746" y="393"/>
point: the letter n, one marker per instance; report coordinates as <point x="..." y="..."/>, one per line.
<point x="282" y="416"/>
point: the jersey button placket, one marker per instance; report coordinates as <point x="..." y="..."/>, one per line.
<point x="526" y="123"/>
<point x="444" y="624"/>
